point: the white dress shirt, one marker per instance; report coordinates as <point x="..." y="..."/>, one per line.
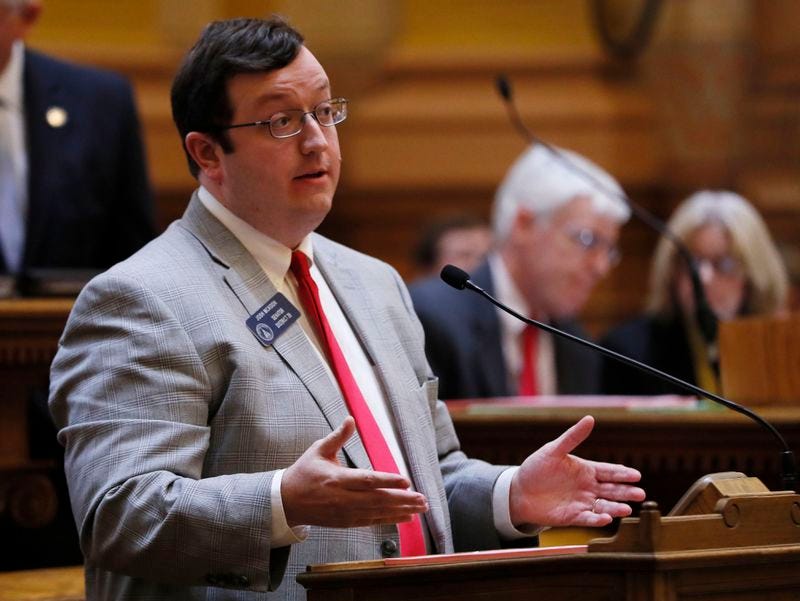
<point x="511" y="330"/>
<point x="12" y="139"/>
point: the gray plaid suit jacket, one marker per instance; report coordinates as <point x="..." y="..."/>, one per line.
<point x="174" y="417"/>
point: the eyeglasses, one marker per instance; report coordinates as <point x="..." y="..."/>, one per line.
<point x="589" y="241"/>
<point x="286" y="124"/>
<point x="724" y="265"/>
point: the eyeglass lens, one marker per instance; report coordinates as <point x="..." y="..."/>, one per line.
<point x="290" y="122"/>
<point x="589" y="241"/>
<point x="725" y="265"/>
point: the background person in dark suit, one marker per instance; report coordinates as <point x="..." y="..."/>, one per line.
<point x="74" y="196"/>
<point x="75" y="191"/>
<point x="460" y="239"/>
<point x="555" y="238"/>
<point x="742" y="274"/>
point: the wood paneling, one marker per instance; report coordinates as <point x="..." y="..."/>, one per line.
<point x="428" y="134"/>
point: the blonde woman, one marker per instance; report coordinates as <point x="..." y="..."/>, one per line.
<point x="742" y="274"/>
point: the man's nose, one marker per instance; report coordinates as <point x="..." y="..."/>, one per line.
<point x="313" y="139"/>
<point x="600" y="262"/>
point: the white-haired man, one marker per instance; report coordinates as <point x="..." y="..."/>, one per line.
<point x="555" y="235"/>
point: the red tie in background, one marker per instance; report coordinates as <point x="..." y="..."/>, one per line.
<point x="412" y="540"/>
<point x="527" y="375"/>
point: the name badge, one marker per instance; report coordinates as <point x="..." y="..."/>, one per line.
<point x="272" y="319"/>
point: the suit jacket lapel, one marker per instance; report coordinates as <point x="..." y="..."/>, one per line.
<point x="41" y="92"/>
<point x="253" y="288"/>
<point x="490" y="362"/>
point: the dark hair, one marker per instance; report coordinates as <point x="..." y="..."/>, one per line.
<point x="226" y="48"/>
<point x="426" y="252"/>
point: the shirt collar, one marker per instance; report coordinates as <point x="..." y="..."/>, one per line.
<point x="273" y="257"/>
<point x="11" y="77"/>
<point x="508" y="294"/>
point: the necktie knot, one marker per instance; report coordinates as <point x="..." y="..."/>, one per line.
<point x="299" y="265"/>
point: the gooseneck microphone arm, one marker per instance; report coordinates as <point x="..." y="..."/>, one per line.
<point x="459" y="279"/>
<point x="706" y="320"/>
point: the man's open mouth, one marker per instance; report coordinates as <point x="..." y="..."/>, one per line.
<point x="312" y="175"/>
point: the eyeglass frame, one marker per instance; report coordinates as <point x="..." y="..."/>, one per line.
<point x="313" y="113"/>
<point x="726" y="266"/>
<point x="589" y="241"/>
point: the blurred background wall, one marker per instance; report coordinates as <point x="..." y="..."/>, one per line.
<point x="709" y="96"/>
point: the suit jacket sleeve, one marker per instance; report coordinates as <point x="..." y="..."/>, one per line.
<point x="134" y="400"/>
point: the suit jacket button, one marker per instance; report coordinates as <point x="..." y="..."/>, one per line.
<point x="241" y="580"/>
<point x="388" y="548"/>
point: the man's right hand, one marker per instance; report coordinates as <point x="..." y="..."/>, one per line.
<point x="317" y="491"/>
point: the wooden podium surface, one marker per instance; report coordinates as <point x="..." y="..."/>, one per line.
<point x="747" y="549"/>
<point x="720" y="575"/>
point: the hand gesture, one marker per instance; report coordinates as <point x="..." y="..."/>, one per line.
<point x="317" y="491"/>
<point x="554" y="488"/>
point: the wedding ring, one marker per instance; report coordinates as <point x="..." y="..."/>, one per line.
<point x="594" y="505"/>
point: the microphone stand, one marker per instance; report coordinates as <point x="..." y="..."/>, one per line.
<point x="706" y="320"/>
<point x="459" y="279"/>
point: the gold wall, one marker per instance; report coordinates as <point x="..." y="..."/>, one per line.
<point x="714" y="101"/>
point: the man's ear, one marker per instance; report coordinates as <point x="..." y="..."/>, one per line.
<point x="207" y="153"/>
<point x="29" y="13"/>
<point x="25" y="18"/>
<point x="524" y="221"/>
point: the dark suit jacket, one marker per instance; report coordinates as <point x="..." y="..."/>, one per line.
<point x="90" y="203"/>
<point x="89" y="206"/>
<point x="660" y="343"/>
<point x="463" y="343"/>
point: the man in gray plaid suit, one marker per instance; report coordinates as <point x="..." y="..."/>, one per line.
<point x="209" y="450"/>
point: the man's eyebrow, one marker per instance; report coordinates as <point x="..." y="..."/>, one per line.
<point x="274" y="96"/>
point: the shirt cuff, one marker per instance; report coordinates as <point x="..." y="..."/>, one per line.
<point x="501" y="509"/>
<point x="282" y="533"/>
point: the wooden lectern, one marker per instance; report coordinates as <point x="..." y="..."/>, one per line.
<point x="746" y="548"/>
<point x="759" y="359"/>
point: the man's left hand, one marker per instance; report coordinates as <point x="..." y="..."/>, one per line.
<point x="554" y="488"/>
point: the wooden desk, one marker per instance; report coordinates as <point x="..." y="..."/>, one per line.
<point x="671" y="447"/>
<point x="29" y="332"/>
<point x="35" y="519"/>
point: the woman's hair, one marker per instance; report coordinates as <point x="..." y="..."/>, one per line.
<point x="764" y="271"/>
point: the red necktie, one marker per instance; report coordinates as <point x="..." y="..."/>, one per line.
<point x="412" y="541"/>
<point x="527" y="375"/>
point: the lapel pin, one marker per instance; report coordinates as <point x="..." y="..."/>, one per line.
<point x="56" y="117"/>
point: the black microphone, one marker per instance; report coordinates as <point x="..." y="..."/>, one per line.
<point x="459" y="279"/>
<point x="706" y="320"/>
